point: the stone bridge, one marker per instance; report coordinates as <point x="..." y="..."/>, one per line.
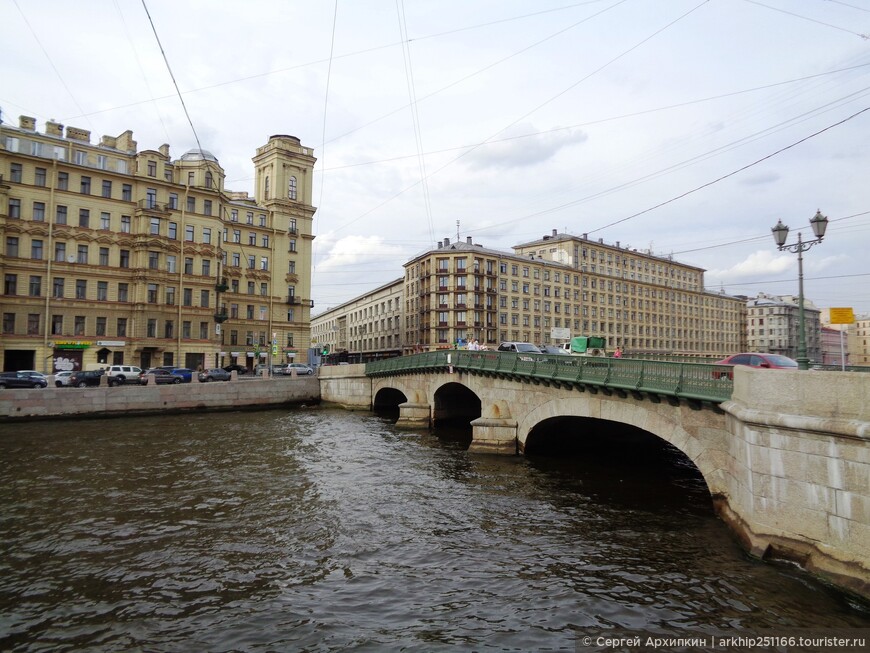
<point x="785" y="454"/>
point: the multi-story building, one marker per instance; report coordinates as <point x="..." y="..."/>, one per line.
<point x="365" y="328"/>
<point x="859" y="342"/>
<point x="115" y="255"/>
<point x="774" y="326"/>
<point x="562" y="283"/>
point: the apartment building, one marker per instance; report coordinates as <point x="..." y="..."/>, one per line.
<point x="774" y="326"/>
<point x="113" y="254"/>
<point x="366" y="328"/>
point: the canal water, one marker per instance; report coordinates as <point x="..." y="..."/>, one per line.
<point x="316" y="529"/>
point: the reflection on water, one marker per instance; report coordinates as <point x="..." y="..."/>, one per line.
<point x="323" y="530"/>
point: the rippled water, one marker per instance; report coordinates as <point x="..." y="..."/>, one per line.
<point x="323" y="530"/>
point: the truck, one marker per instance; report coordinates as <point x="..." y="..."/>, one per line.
<point x="586" y="346"/>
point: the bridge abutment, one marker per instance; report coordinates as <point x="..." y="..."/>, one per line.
<point x="414" y="416"/>
<point x="494" y="435"/>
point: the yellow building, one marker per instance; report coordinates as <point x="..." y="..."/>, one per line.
<point x="115" y="255"/>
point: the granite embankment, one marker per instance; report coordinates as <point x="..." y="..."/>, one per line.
<point x="51" y="403"/>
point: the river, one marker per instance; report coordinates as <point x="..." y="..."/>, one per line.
<point x="317" y="529"/>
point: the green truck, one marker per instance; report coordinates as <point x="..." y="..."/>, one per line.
<point x="586" y="346"/>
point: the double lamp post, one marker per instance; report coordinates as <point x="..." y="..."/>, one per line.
<point x="819" y="223"/>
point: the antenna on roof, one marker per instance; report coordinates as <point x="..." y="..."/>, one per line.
<point x="457" y="231"/>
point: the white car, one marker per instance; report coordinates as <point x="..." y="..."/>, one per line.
<point x="62" y="378"/>
<point x="300" y="368"/>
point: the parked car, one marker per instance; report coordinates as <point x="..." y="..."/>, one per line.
<point x="519" y="347"/>
<point x="756" y="359"/>
<point x="240" y="369"/>
<point x="185" y="373"/>
<point x="62" y="378"/>
<point x="554" y="349"/>
<point x="214" y="374"/>
<point x="161" y="376"/>
<point x="85" y="379"/>
<point x="119" y="374"/>
<point x="300" y="368"/>
<point x="22" y="379"/>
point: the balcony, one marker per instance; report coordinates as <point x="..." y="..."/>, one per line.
<point x="221" y="285"/>
<point x="221" y="317"/>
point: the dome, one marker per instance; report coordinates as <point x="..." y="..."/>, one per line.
<point x="198" y="155"/>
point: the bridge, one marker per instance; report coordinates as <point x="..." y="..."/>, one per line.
<point x="785" y="454"/>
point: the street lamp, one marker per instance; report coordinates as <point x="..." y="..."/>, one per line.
<point x="819" y="223"/>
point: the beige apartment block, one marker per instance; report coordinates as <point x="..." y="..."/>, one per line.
<point x="113" y="254"/>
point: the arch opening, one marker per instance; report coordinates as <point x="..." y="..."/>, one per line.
<point x="454" y="408"/>
<point x="386" y="403"/>
<point x="619" y="464"/>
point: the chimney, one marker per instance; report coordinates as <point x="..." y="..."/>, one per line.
<point x="26" y="122"/>
<point x="440" y="244"/>
<point x="468" y="240"/>
<point x="585" y="236"/>
<point x="164" y="150"/>
<point x="77" y="134"/>
<point x="617" y="244"/>
<point x="554" y="233"/>
<point x="53" y="128"/>
<point x="446" y="242"/>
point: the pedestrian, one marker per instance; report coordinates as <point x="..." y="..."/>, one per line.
<point x="617" y="353"/>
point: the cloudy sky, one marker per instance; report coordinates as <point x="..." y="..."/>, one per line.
<point x="683" y="127"/>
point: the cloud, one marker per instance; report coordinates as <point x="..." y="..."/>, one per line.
<point x="356" y="251"/>
<point x="758" y="264"/>
<point x="761" y="179"/>
<point x="522" y="146"/>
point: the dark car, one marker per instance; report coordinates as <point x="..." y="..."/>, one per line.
<point x="756" y="359"/>
<point x="214" y="374"/>
<point x="22" y="380"/>
<point x="161" y="376"/>
<point x="85" y="379"/>
<point x="240" y="369"/>
<point x="185" y="373"/>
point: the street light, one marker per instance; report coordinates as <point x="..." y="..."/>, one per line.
<point x="819" y="223"/>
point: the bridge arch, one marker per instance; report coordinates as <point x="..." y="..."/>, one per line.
<point x="455" y="403"/>
<point x="669" y="424"/>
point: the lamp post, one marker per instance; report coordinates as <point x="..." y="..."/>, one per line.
<point x="819" y="223"/>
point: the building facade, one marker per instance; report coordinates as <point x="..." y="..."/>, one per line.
<point x="117" y="255"/>
<point x="545" y="292"/>
<point x="366" y="328"/>
<point x="774" y="326"/>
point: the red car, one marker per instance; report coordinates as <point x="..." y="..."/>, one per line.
<point x="768" y="361"/>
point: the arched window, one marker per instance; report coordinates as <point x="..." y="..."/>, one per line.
<point x="291" y="188"/>
<point x="267" y="187"/>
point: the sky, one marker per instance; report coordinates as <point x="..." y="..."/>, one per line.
<point x="686" y="128"/>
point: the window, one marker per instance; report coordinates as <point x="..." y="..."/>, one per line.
<point x="127" y="192"/>
<point x="185" y="329"/>
<point x="8" y="322"/>
<point x="206" y="235"/>
<point x="237" y="236"/>
<point x="104" y="255"/>
<point x="173" y="200"/>
<point x="264" y="262"/>
<point x="250" y="287"/>
<point x="85" y="188"/>
<point x="206" y="207"/>
<point x="250" y="218"/>
<point x="56" y="325"/>
<point x="152" y="168"/>
<point x="191" y="178"/>
<point x="187" y="297"/>
<point x="82" y="254"/>
<point x="292" y="228"/>
<point x="252" y="238"/>
<point x="79" y="325"/>
<point x="265" y="240"/>
<point x="84" y="217"/>
<point x="35" y="286"/>
<point x="107" y="188"/>
<point x="14" y="208"/>
<point x="152" y="293"/>
<point x="36" y="250"/>
<point x="188" y="233"/>
<point x="173" y="231"/>
<point x="292" y="245"/>
<point x="264" y="289"/>
<point x="153" y="260"/>
<point x="11" y="246"/>
<point x="63" y="181"/>
<point x="125" y="224"/>
<point x="102" y="161"/>
<point x="291" y="188"/>
<point x="57" y="287"/>
<point x="206" y="267"/>
<point x="123" y="292"/>
<point x="171" y="261"/>
<point x="15" y="173"/>
<point x="105" y="220"/>
<point x="121" y="327"/>
<point x="60" y="215"/>
<point x="204" y="298"/>
<point x="191" y="204"/>
<point x="125" y="258"/>
<point x="252" y="261"/>
<point x="39" y="211"/>
<point x="188" y="265"/>
<point x="236" y="259"/>
<point x="101" y="326"/>
<point x="155" y="226"/>
<point x="151" y="328"/>
<point x="102" y="291"/>
<point x="39" y="177"/>
<point x="203" y="331"/>
<point x="267" y="187"/>
<point x="170" y="295"/>
<point x="234" y="215"/>
<point x="262" y="219"/>
<point x="81" y="158"/>
<point x="121" y="166"/>
<point x="81" y="288"/>
<point x="33" y="324"/>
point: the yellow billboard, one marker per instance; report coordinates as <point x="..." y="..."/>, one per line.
<point x="842" y="316"/>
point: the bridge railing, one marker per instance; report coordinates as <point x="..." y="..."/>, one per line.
<point x="684" y="380"/>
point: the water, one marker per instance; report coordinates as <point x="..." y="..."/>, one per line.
<point x="322" y="530"/>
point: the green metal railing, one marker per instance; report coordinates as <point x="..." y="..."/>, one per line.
<point x="698" y="381"/>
